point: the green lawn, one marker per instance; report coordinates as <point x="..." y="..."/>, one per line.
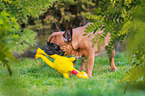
<point x="36" y="78"/>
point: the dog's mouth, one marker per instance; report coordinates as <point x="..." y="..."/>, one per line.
<point x="53" y="48"/>
<point x="52" y="51"/>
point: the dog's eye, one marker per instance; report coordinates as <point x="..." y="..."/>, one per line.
<point x="55" y="47"/>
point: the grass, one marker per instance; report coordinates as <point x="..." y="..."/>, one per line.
<point x="35" y="78"/>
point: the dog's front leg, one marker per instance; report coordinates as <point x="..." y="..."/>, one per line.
<point x="74" y="63"/>
<point x="111" y="58"/>
<point x="90" y="63"/>
<point x="82" y="67"/>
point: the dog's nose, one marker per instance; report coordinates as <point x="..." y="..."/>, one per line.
<point x="45" y="49"/>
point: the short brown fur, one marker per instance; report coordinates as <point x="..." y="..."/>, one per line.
<point x="81" y="46"/>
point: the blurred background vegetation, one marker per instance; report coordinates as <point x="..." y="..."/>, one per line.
<point x="65" y="13"/>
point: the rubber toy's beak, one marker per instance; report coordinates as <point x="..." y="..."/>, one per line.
<point x="82" y="75"/>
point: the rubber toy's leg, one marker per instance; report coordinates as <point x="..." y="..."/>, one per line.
<point x="47" y="61"/>
<point x="66" y="75"/>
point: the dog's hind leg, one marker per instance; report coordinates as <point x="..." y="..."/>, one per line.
<point x="90" y="62"/>
<point x="111" y="59"/>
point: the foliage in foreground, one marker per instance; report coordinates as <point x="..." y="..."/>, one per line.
<point x="36" y="78"/>
<point x="136" y="49"/>
<point x="122" y="18"/>
<point x="13" y="13"/>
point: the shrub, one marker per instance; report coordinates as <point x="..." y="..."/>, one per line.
<point x="13" y="13"/>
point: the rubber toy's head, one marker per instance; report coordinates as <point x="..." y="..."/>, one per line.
<point x="82" y="74"/>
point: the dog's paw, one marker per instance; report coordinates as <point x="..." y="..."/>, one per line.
<point x="70" y="74"/>
<point x="114" y="69"/>
<point x="89" y="74"/>
<point x="82" y="69"/>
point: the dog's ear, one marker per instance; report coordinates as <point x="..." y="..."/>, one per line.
<point x="48" y="43"/>
<point x="68" y="35"/>
<point x="56" y="28"/>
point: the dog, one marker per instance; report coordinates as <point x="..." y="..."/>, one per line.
<point x="72" y="42"/>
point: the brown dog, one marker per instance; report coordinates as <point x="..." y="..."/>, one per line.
<point x="73" y="42"/>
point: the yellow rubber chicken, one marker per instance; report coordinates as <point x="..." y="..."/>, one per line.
<point x="61" y="64"/>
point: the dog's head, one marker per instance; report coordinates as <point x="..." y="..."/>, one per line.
<point x="53" y="48"/>
<point x="58" y="39"/>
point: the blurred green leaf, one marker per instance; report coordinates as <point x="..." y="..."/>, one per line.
<point x="13" y="38"/>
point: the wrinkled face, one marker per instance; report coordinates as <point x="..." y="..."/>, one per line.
<point x="56" y="40"/>
<point x="53" y="48"/>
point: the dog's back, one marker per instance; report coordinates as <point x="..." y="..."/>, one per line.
<point x="85" y="41"/>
